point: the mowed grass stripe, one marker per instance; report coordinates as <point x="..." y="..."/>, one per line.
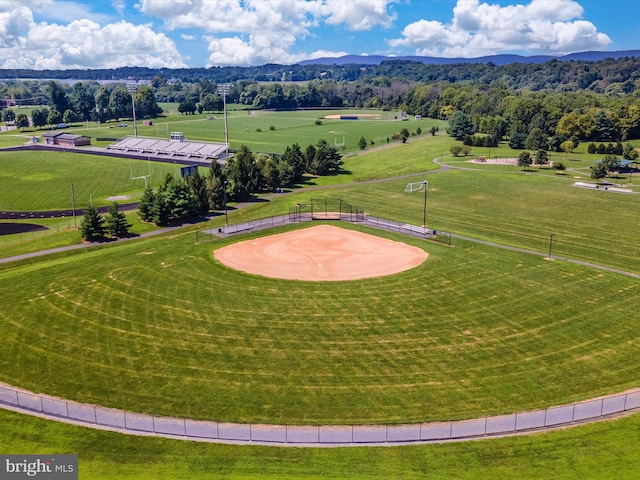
<point x="472" y="331"/>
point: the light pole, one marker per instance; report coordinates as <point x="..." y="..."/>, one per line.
<point x="550" y="244"/>
<point x="73" y="206"/>
<point x="224" y="89"/>
<point x="132" y="89"/>
<point x="224" y="192"/>
<point x="424" y="213"/>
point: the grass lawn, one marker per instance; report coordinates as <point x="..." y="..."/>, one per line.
<point x="603" y="450"/>
<point x="42" y="180"/>
<point x="472" y="331"/>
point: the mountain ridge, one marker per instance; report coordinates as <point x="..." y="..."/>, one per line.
<point x="499" y="59"/>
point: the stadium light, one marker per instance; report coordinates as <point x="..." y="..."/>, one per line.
<point x="224" y="89"/>
<point x="550" y="244"/>
<point x="133" y="89"/>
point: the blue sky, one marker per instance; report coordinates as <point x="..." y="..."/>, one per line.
<point x="65" y="34"/>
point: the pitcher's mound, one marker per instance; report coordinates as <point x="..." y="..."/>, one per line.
<point x="321" y="253"/>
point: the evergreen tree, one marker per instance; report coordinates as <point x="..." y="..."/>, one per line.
<point x="92" y="224"/>
<point x="160" y="210"/>
<point x="460" y="125"/>
<point x="198" y="186"/>
<point x="116" y="221"/>
<point x="145" y="207"/>
<point x="180" y="200"/>
<point x="294" y="157"/>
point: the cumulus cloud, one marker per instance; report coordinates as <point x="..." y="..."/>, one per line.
<point x="258" y="49"/>
<point x="262" y="31"/>
<point x="478" y="29"/>
<point x="80" y="44"/>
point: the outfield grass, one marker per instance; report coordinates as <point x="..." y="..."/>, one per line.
<point x="603" y="450"/>
<point x="42" y="180"/>
<point x="472" y="331"/>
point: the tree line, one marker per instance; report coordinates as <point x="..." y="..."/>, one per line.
<point x="243" y="175"/>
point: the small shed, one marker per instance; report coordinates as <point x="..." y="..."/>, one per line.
<point x="65" y="139"/>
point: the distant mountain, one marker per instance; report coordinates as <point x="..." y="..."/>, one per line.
<point x="495" y="59"/>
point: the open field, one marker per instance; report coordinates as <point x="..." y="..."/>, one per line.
<point x="41" y="180"/>
<point x="474" y="330"/>
<point x="253" y="129"/>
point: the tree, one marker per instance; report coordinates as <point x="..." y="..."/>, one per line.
<point x="404" y="135"/>
<point x="146" y="103"/>
<point x="294" y="157"/>
<point x="120" y="102"/>
<point x="524" y="160"/>
<point x="82" y="101"/>
<point x="69" y="117"/>
<point x="187" y="106"/>
<point x="455" y="150"/>
<point x="145" y="207"/>
<point x="180" y="200"/>
<point x="198" y="185"/>
<point x="460" y="125"/>
<point x="517" y="141"/>
<point x="559" y="167"/>
<point x="542" y="158"/>
<point x="116" y="222"/>
<point x="362" y="143"/>
<point x="536" y="140"/>
<point x="326" y="159"/>
<point x="57" y="96"/>
<point x="567" y="148"/>
<point x="242" y="174"/>
<point x="599" y="171"/>
<point x="604" y="129"/>
<point x="611" y="163"/>
<point x="160" y="210"/>
<point x="629" y="153"/>
<point x="8" y="115"/>
<point x="92" y="224"/>
<point x="55" y="117"/>
<point x="22" y="121"/>
<point x="40" y="117"/>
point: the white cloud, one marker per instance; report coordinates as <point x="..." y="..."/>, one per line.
<point x="118" y="6"/>
<point x="80" y="44"/>
<point x="263" y="31"/>
<point x="478" y="29"/>
<point x="258" y="50"/>
<point x="359" y="14"/>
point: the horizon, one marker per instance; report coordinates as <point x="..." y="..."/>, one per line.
<point x="83" y="34"/>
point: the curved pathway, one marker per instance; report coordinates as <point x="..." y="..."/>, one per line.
<point x="132" y="423"/>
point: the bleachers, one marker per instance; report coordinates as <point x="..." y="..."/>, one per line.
<point x="169" y="148"/>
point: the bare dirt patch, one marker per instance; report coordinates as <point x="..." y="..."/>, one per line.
<point x="321" y="253"/>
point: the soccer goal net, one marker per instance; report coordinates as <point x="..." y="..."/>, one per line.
<point x="416" y="186"/>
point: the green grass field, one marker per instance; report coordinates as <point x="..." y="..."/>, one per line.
<point x="599" y="451"/>
<point x="472" y="331"/>
<point x="475" y="330"/>
<point x="43" y="180"/>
